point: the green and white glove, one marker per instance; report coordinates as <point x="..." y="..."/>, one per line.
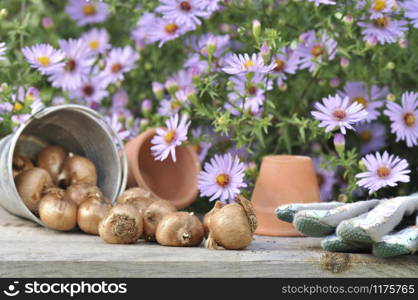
<point x="362" y="226"/>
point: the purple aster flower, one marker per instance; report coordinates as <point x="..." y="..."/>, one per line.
<point x="319" y="2"/>
<point x="30" y="95"/>
<point x="114" y="122"/>
<point x="183" y="80"/>
<point x="326" y="179"/>
<point x="404" y="119"/>
<point x="97" y="40"/>
<point x="241" y="152"/>
<point x="19" y="119"/>
<point x="44" y="58"/>
<point x="77" y="66"/>
<point x="372" y="136"/>
<point x="118" y="62"/>
<point x="170" y="107"/>
<point x="203" y="146"/>
<point x="237" y="108"/>
<point x="87" y="12"/>
<point x="244" y="63"/>
<point x="315" y="50"/>
<point x="166" y="30"/>
<point x="286" y="63"/>
<point x="378" y="8"/>
<point x="2" y="51"/>
<point x="120" y="99"/>
<point x="249" y="94"/>
<point x="122" y="112"/>
<point x="411" y="7"/>
<point x="384" y="30"/>
<point x="92" y="90"/>
<point x="167" y="139"/>
<point x="222" y="178"/>
<point x="209" y="5"/>
<point x="383" y="170"/>
<point x="336" y="112"/>
<point x="200" y="43"/>
<point x="142" y="33"/>
<point x="196" y="66"/>
<point x="182" y="11"/>
<point x="372" y="99"/>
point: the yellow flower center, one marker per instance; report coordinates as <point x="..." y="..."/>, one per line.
<point x="17" y="107"/>
<point x="383" y="172"/>
<point x="44" y="61"/>
<point x="366" y="136"/>
<point x="171" y="28"/>
<point x="175" y="104"/>
<point x="170" y="136"/>
<point x="222" y="180"/>
<point x="361" y="100"/>
<point x="339" y="114"/>
<point x="89" y="9"/>
<point x="94" y="44"/>
<point x="409" y="119"/>
<point x="317" y="50"/>
<point x="382" y="22"/>
<point x="248" y="64"/>
<point x="379" y="5"/>
<point x="280" y="64"/>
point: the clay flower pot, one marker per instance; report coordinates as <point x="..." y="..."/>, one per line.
<point x="174" y="181"/>
<point x="282" y="179"/>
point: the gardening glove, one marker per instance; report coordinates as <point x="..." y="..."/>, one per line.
<point x="360" y="226"/>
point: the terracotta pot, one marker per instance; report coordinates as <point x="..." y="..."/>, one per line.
<point x="174" y="181"/>
<point x="283" y="179"/>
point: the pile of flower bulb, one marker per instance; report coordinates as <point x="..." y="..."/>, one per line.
<point x="61" y="188"/>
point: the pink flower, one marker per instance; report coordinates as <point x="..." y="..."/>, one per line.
<point x="167" y="139"/>
<point x="336" y="112"/>
<point x="87" y="12"/>
<point x="244" y="63"/>
<point x="383" y="170"/>
<point x="222" y="178"/>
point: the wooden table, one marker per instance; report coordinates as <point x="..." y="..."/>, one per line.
<point x="28" y="250"/>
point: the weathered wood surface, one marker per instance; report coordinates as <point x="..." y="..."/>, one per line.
<point x="27" y="250"/>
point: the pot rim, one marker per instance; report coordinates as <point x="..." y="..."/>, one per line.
<point x="287" y="158"/>
<point x="138" y="143"/>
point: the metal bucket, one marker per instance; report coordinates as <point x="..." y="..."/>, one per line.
<point x="77" y="129"/>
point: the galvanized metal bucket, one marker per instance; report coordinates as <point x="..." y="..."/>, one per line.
<point x="79" y="130"/>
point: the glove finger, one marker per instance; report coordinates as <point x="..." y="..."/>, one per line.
<point x="400" y="243"/>
<point x="319" y="223"/>
<point x="288" y="211"/>
<point x="335" y="243"/>
<point x="381" y="220"/>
